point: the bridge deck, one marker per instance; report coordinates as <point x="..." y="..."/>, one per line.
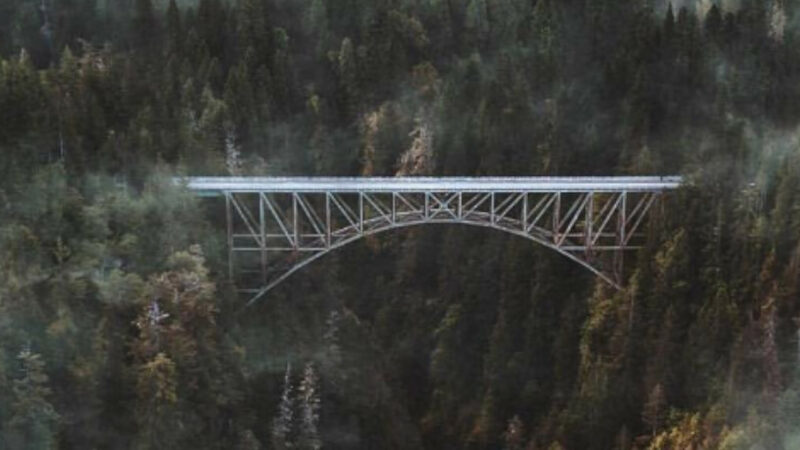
<point x="277" y="225"/>
<point x="217" y="185"/>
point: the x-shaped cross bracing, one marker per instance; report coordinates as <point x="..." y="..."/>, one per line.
<point x="276" y="226"/>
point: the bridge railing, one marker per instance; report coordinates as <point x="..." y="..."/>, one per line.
<point x="275" y="226"/>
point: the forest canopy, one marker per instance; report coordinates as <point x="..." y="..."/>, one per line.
<point x="120" y="329"/>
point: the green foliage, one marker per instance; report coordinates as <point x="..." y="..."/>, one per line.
<point x="33" y="423"/>
<point x="186" y="374"/>
<point x="445" y="338"/>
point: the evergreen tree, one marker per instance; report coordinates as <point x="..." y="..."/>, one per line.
<point x="174" y="28"/>
<point x="669" y="24"/>
<point x="239" y="96"/>
<point x="283" y="423"/>
<point x="316" y="25"/>
<point x="348" y="79"/>
<point x="514" y="435"/>
<point x="145" y="27"/>
<point x="34" y="422"/>
<point x="211" y="26"/>
<point x="255" y="33"/>
<point x="654" y="412"/>
<point x="713" y="24"/>
<point x="282" y="82"/>
<point x="308" y="435"/>
<point x="94" y="99"/>
<point x="544" y="37"/>
<point x="476" y="21"/>
<point x="182" y="360"/>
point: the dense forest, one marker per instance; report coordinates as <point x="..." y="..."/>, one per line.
<point x="119" y="328"/>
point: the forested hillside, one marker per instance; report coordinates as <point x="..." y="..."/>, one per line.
<point x="119" y="328"/>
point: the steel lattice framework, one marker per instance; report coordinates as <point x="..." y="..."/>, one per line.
<point x="276" y="226"/>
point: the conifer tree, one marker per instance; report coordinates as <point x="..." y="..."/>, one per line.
<point x="186" y="372"/>
<point x="145" y="27"/>
<point x="476" y="21"/>
<point x="348" y="78"/>
<point x="654" y="411"/>
<point x="239" y="96"/>
<point x="282" y="82"/>
<point x="34" y="421"/>
<point x="255" y="32"/>
<point x="174" y="29"/>
<point x="316" y="25"/>
<point x="283" y="423"/>
<point x="713" y="23"/>
<point x="514" y="436"/>
<point x="211" y="26"/>
<point x="669" y="23"/>
<point x="544" y="30"/>
<point x="308" y="436"/>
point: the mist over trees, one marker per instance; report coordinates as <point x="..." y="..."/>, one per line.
<point x="119" y="328"/>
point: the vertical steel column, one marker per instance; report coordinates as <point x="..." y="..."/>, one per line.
<point x="426" y="211"/>
<point x="589" y="221"/>
<point x="328" y="219"/>
<point x="491" y="208"/>
<point x="294" y="222"/>
<point x="229" y="218"/>
<point x="556" y="216"/>
<point x="619" y="261"/>
<point x="524" y="219"/>
<point x="263" y="231"/>
<point x="394" y="208"/>
<point x="361" y="212"/>
<point x="623" y="219"/>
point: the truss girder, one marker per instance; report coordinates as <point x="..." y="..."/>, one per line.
<point x="280" y="232"/>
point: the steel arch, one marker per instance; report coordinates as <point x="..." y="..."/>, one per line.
<point x="284" y="224"/>
<point x="317" y="255"/>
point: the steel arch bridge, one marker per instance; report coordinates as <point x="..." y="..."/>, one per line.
<point x="278" y="225"/>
